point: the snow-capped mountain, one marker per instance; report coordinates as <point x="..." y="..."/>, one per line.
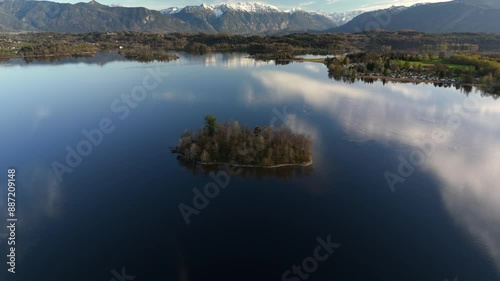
<point x="170" y="11"/>
<point x="247" y="7"/>
<point x="245" y="18"/>
<point x="256" y="8"/>
<point x="344" y="17"/>
<point x="339" y="18"/>
<point x="218" y="10"/>
<point x="249" y="18"/>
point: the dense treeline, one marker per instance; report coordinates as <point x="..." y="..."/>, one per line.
<point x="146" y="54"/>
<point x="482" y="64"/>
<point x="235" y="144"/>
<point x="44" y="45"/>
<point x="279" y="46"/>
<point x="430" y="42"/>
<point x="460" y="69"/>
<point x="486" y="68"/>
<point x="50" y="49"/>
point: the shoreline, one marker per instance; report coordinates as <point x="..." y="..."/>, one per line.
<point x="406" y="80"/>
<point x="63" y="55"/>
<point x="416" y="81"/>
<point x="258" y="166"/>
<point x="394" y="79"/>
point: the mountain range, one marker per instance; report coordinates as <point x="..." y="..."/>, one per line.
<point x="242" y="18"/>
<point x="246" y="18"/>
<point x="25" y="15"/>
<point x="444" y="17"/>
<point x="218" y="13"/>
<point x="250" y="18"/>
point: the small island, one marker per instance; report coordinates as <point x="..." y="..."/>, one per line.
<point x="230" y="143"/>
<point x="147" y="54"/>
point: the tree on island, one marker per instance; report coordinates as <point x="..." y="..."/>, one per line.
<point x="231" y="143"/>
<point x="210" y="124"/>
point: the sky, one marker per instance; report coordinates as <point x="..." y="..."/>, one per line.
<point x="309" y="5"/>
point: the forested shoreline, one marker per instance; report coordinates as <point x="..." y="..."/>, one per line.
<point x="406" y="56"/>
<point x="459" y="69"/>
<point x="151" y="46"/>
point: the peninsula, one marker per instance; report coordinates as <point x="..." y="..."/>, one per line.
<point x="459" y="69"/>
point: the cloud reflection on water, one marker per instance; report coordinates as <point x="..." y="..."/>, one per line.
<point x="467" y="163"/>
<point x="38" y="182"/>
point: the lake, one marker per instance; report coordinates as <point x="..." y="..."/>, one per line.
<point x="405" y="180"/>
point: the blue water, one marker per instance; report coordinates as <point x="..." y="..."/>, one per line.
<point x="119" y="207"/>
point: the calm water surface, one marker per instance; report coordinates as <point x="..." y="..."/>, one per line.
<point x="119" y="207"/>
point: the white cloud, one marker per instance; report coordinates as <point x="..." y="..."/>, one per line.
<point x="41" y="114"/>
<point x="313" y="67"/>
<point x="467" y="163"/>
<point x="340" y="5"/>
<point x="386" y="4"/>
<point x="305" y="4"/>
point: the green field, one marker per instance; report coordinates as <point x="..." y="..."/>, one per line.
<point x="320" y="60"/>
<point x="433" y="63"/>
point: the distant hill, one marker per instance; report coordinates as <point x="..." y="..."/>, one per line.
<point x="246" y="18"/>
<point x="454" y="16"/>
<point x="9" y="23"/>
<point x="85" y="17"/>
<point x="242" y="18"/>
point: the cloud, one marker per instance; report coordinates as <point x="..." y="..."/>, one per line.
<point x="305" y="4"/>
<point x="313" y="68"/>
<point x="389" y="3"/>
<point x="467" y="163"/>
<point x="41" y="114"/>
<point x="340" y="5"/>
